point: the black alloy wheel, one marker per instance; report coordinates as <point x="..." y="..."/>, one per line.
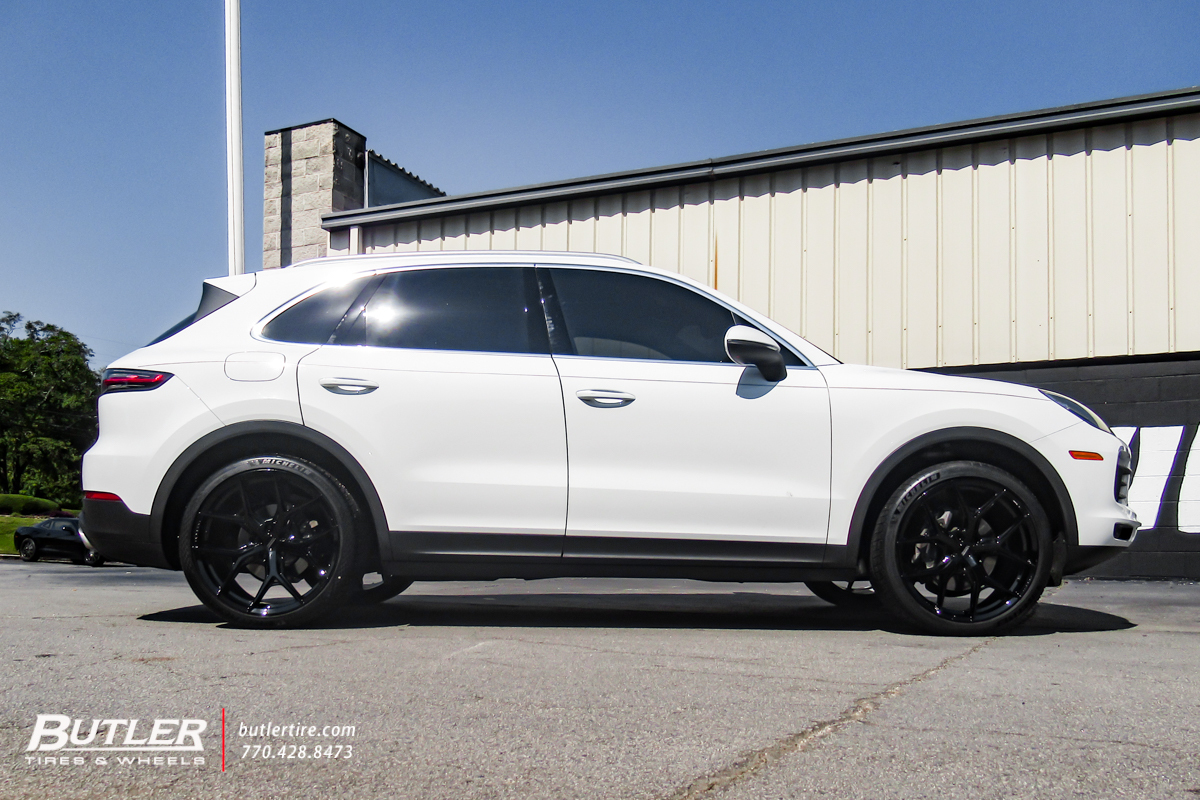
<point x="961" y="548"/>
<point x="268" y="542"/>
<point x="846" y="594"/>
<point x="93" y="559"/>
<point x="29" y="550"/>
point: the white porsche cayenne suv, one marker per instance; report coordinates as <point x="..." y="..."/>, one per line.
<point x="485" y="415"/>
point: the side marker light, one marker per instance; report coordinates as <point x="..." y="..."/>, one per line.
<point x="1086" y="455"/>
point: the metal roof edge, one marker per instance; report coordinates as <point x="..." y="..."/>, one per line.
<point x="310" y="124"/>
<point x="407" y="173"/>
<point x="1171" y="102"/>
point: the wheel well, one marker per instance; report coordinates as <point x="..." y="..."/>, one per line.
<point x="996" y="454"/>
<point x="258" y="444"/>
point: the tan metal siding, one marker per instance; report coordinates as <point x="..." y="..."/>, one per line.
<point x="886" y="258"/>
<point x="1149" y="216"/>
<point x="787" y="245"/>
<point x="1185" y="199"/>
<point x="956" y="292"/>
<point x="1052" y="246"/>
<point x="921" y="260"/>
<point x="1069" y="250"/>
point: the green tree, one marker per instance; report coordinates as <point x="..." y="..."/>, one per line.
<point x="47" y="409"/>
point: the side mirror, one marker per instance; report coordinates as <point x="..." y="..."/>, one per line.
<point x="751" y="347"/>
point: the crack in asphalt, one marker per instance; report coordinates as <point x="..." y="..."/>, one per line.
<point x="1057" y="737"/>
<point x="636" y="653"/>
<point x="753" y="762"/>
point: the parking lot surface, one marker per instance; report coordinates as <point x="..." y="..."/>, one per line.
<point x="601" y="689"/>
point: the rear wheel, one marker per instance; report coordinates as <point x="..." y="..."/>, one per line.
<point x="961" y="548"/>
<point x="93" y="559"/>
<point x="29" y="550"/>
<point x="268" y="542"/>
<point x="847" y="594"/>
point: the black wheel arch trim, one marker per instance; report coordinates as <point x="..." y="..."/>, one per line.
<point x="238" y="430"/>
<point x="849" y="554"/>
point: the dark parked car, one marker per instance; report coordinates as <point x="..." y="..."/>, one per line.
<point x="55" y="538"/>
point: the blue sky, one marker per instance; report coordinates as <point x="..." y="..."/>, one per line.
<point x="112" y="189"/>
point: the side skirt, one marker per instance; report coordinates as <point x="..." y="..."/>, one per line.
<point x="485" y="556"/>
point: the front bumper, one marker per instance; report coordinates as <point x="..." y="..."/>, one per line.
<point x="119" y="534"/>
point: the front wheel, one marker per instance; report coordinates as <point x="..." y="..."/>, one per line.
<point x="29" y="550"/>
<point x="268" y="542"/>
<point x="961" y="548"/>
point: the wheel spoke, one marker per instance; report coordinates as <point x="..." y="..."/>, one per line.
<point x="991" y="582"/>
<point x="1002" y="538"/>
<point x="228" y="551"/>
<point x="317" y="535"/>
<point x="262" y="591"/>
<point x="286" y="584"/>
<point x="288" y="516"/>
<point x="962" y="504"/>
<point x="924" y="574"/>
<point x="233" y="573"/>
<point x="241" y="484"/>
<point x="278" y="497"/>
<point x="986" y="507"/>
<point x="1008" y="555"/>
<point x="996" y="544"/>
<point x="234" y="519"/>
<point x="934" y="525"/>
<point x="975" y="589"/>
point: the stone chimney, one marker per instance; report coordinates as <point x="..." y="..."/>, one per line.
<point x="310" y="170"/>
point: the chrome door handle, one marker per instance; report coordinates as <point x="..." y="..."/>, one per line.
<point x="603" y="398"/>
<point x="348" y="386"/>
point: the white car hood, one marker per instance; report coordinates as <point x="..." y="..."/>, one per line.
<point x="855" y="376"/>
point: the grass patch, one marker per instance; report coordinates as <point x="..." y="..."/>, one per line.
<point x="8" y="526"/>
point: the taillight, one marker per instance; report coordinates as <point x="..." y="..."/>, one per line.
<point x="132" y="380"/>
<point x="108" y="497"/>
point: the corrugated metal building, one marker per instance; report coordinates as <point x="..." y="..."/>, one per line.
<point x="1059" y="248"/>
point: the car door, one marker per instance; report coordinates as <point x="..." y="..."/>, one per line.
<point x="670" y="443"/>
<point x="62" y="539"/>
<point x="441" y="384"/>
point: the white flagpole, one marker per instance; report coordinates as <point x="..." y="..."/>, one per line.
<point x="233" y="135"/>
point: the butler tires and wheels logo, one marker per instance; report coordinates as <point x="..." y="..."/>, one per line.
<point x="59" y="740"/>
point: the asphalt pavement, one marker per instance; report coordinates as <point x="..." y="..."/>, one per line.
<point x="558" y="689"/>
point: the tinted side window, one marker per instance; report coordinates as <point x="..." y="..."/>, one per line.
<point x="616" y="315"/>
<point x="482" y="309"/>
<point x="314" y="319"/>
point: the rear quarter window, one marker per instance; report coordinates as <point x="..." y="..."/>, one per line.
<point x="211" y="299"/>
